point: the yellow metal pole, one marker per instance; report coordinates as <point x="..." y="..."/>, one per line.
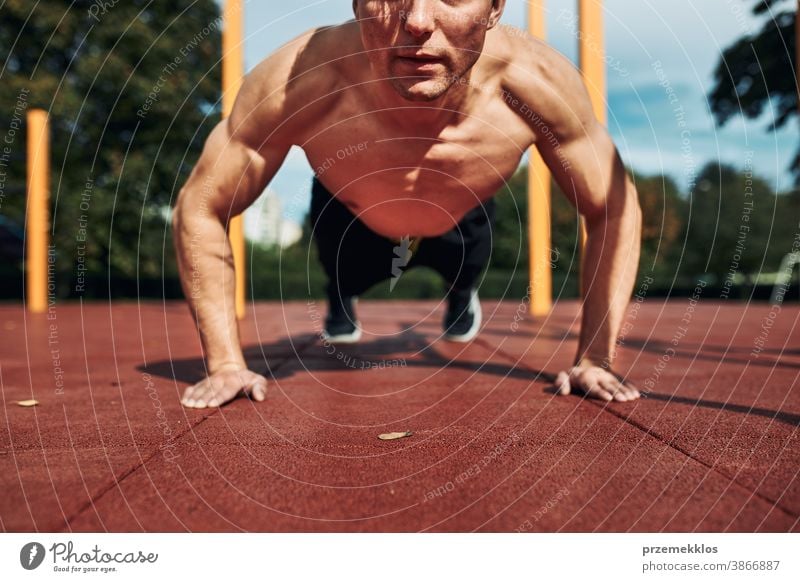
<point x="232" y="73"/>
<point x="591" y="57"/>
<point x="37" y="234"/>
<point x="591" y="54"/>
<point x="540" y="274"/>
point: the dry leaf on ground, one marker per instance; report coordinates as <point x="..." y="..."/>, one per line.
<point x="390" y="436"/>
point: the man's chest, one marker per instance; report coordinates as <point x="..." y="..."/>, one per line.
<point x="369" y="167"/>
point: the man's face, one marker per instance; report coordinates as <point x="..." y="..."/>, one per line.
<point x="422" y="47"/>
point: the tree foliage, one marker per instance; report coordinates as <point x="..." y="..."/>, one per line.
<point x="132" y="90"/>
<point x="757" y="71"/>
<point x="735" y="223"/>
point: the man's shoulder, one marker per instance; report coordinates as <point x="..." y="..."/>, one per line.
<point x="546" y="84"/>
<point x="322" y="49"/>
<point x="296" y="80"/>
<point x="528" y="61"/>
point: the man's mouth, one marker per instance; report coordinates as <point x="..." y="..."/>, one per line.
<point x="419" y="61"/>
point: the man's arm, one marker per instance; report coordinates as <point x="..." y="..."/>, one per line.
<point x="275" y="105"/>
<point x="586" y="165"/>
<point x="601" y="190"/>
<point x="228" y="177"/>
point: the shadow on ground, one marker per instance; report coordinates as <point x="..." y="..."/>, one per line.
<point x="274" y="360"/>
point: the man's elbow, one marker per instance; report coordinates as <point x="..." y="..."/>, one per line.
<point x="179" y="219"/>
<point x="633" y="208"/>
<point x="622" y="209"/>
<point x="176" y="219"/>
<point x="632" y="220"/>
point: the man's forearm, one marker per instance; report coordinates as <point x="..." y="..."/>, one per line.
<point x="610" y="263"/>
<point x="205" y="262"/>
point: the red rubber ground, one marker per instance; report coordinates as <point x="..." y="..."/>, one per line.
<point x="714" y="446"/>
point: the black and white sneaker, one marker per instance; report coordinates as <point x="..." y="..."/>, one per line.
<point x="463" y="317"/>
<point x="341" y="325"/>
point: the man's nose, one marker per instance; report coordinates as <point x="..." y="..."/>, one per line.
<point x="419" y="18"/>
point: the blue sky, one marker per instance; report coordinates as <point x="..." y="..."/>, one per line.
<point x="685" y="36"/>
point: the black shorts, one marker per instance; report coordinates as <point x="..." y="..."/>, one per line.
<point x="355" y="258"/>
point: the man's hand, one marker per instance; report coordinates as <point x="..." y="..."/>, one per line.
<point x="223" y="386"/>
<point x="595" y="382"/>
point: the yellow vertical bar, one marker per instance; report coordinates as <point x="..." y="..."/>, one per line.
<point x="232" y="73"/>
<point x="591" y="58"/>
<point x="540" y="274"/>
<point x="591" y="54"/>
<point x="37" y="216"/>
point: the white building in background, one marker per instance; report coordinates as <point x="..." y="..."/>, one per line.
<point x="264" y="222"/>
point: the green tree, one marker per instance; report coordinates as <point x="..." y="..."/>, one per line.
<point x="510" y="241"/>
<point x="510" y="244"/>
<point x="758" y="70"/>
<point x="737" y="226"/>
<point x="132" y="89"/>
<point x="663" y="220"/>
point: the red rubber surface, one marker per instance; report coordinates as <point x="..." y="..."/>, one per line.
<point x="714" y="447"/>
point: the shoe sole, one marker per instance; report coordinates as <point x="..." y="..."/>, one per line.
<point x="474" y="304"/>
<point x="345" y="338"/>
<point x="349" y="338"/>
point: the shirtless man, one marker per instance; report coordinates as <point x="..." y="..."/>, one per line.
<point x="445" y="101"/>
